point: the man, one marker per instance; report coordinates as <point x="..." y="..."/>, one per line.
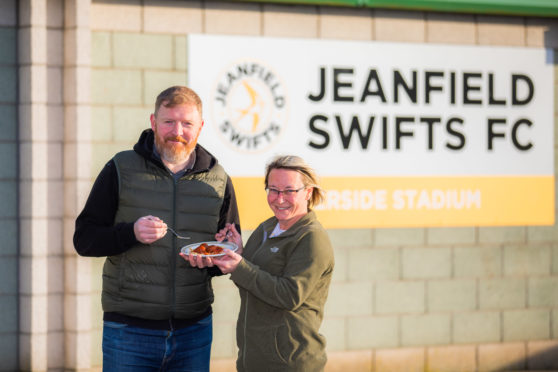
<point x="157" y="307"/>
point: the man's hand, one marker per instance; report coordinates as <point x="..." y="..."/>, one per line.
<point x="198" y="260"/>
<point x="149" y="229"/>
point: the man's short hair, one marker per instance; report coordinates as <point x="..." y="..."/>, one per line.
<point x="176" y="96"/>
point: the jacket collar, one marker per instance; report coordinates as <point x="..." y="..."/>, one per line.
<point x="269" y="224"/>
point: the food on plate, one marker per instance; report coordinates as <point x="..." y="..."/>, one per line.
<point x="207" y="249"/>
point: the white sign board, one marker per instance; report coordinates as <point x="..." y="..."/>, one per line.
<point x="401" y="134"/>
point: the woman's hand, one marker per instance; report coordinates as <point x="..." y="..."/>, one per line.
<point x="227" y="263"/>
<point x="230" y="234"/>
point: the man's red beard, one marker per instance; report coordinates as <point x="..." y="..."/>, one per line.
<point x="174" y="149"/>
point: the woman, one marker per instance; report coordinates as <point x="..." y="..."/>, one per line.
<point x="283" y="275"/>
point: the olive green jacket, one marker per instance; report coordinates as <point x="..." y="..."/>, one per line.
<point x="283" y="283"/>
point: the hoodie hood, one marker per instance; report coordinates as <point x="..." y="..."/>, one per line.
<point x="144" y="147"/>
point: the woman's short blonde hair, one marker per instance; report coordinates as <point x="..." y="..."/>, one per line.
<point x="297" y="164"/>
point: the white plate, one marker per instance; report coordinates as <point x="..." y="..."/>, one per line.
<point x="226" y="245"/>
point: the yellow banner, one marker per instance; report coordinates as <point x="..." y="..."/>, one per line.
<point x="367" y="202"/>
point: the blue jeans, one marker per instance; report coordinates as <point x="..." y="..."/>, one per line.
<point x="134" y="349"/>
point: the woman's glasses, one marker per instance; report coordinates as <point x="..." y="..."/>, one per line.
<point x="288" y="193"/>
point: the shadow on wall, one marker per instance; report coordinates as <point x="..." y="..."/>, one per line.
<point x="544" y="361"/>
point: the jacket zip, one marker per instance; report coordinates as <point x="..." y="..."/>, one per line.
<point x="244" y="337"/>
<point x="173" y="256"/>
<point x="246" y="304"/>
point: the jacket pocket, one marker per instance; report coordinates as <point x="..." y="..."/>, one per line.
<point x="275" y="343"/>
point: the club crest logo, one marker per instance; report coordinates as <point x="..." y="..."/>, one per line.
<point x="249" y="106"/>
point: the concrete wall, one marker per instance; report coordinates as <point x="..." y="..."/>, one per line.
<point x="8" y="188"/>
<point x="431" y="299"/>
